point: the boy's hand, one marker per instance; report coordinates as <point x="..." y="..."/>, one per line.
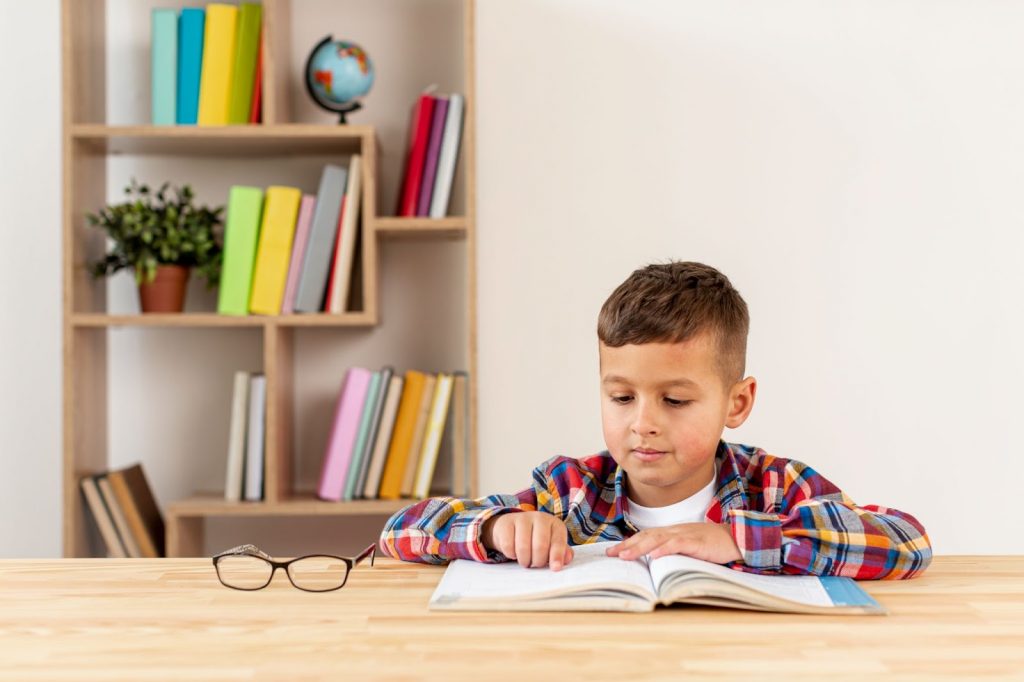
<point x="708" y="541"/>
<point x="534" y="539"/>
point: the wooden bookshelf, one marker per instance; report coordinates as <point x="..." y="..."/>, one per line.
<point x="90" y="142"/>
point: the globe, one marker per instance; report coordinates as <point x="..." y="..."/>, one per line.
<point x="338" y="72"/>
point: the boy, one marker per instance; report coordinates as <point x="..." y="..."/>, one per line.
<point x="672" y="347"/>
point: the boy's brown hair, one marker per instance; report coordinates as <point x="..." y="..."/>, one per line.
<point x="673" y="302"/>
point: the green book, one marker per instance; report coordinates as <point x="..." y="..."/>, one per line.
<point x="164" y="66"/>
<point x="362" y="436"/>
<point x="243" y="72"/>
<point x="241" y="235"/>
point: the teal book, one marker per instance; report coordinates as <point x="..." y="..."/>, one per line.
<point x="243" y="73"/>
<point x="164" y="66"/>
<point x="362" y="438"/>
<point x="241" y="236"/>
<point x="191" y="28"/>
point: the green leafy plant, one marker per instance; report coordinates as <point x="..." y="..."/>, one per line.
<point x="161" y="228"/>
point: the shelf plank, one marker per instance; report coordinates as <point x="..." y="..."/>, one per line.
<point x="396" y="228"/>
<point x="300" y="505"/>
<point x="239" y="140"/>
<point x="190" y="320"/>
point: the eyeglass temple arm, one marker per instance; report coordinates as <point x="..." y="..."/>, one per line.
<point x="369" y="551"/>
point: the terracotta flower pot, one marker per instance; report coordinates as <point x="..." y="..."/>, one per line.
<point x="166" y="293"/>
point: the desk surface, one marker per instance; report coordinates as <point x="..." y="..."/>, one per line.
<point x="141" y="619"/>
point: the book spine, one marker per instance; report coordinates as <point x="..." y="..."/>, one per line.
<point x="437" y="125"/>
<point x="256" y="440"/>
<point x="133" y="513"/>
<point x="191" y="28"/>
<point x="302" y="225"/>
<point x="101" y="515"/>
<point x="241" y="236"/>
<point x="460" y="440"/>
<point x="124" y="531"/>
<point x="243" y="70"/>
<point x="317" y="259"/>
<point x="401" y="438"/>
<point x="218" y="54"/>
<point x="164" y="66"/>
<point x="362" y="432"/>
<point x="448" y="158"/>
<point x="432" y="440"/>
<point x="416" y="445"/>
<point x="386" y="374"/>
<point x="417" y="155"/>
<point x="342" y="272"/>
<point x="382" y="441"/>
<point x="236" y="438"/>
<point x="343" y="434"/>
<point x="275" y="247"/>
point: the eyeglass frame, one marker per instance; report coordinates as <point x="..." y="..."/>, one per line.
<point x="256" y="553"/>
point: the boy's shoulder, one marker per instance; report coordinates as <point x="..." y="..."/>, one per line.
<point x="598" y="468"/>
<point x="764" y="471"/>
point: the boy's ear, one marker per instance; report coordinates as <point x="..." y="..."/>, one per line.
<point x="741" y="402"/>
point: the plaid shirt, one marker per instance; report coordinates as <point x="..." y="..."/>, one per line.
<point x="785" y="518"/>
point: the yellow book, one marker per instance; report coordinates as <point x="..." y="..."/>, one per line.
<point x="270" y="274"/>
<point x="401" y="439"/>
<point x="432" y="439"/>
<point x="416" y="446"/>
<point x="218" y="57"/>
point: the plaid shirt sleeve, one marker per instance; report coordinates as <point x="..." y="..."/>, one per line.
<point x="806" y="525"/>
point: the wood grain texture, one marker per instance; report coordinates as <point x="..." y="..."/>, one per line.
<point x="149" y="619"/>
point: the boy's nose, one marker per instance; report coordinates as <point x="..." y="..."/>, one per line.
<point x="644" y="424"/>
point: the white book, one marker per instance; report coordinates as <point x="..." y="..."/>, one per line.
<point x="447" y="158"/>
<point x="236" y="438"/>
<point x="254" y="442"/>
<point x="432" y="440"/>
<point x="383" y="439"/>
<point x="347" y="235"/>
<point x="593" y="581"/>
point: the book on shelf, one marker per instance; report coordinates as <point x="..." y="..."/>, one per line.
<point x="256" y="109"/>
<point x="401" y="438"/>
<point x="382" y="439"/>
<point x="419" y="136"/>
<point x="317" y="260"/>
<point x="218" y="58"/>
<point x="302" y="224"/>
<point x="236" y="437"/>
<point x="593" y="581"/>
<point x="255" y="441"/>
<point x="438" y="415"/>
<point x="191" y="31"/>
<point x="362" y="436"/>
<point x="241" y="238"/>
<point x="459" y="436"/>
<point x="351" y="400"/>
<point x="122" y="504"/>
<point x="164" y="66"/>
<point x="244" y="59"/>
<point x="270" y="272"/>
<point x="418" y="433"/>
<point x="448" y="157"/>
<point x="341" y="268"/>
<point x="435" y="134"/>
<point x="433" y="152"/>
<point x="376" y="417"/>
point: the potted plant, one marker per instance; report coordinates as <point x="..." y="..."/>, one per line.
<point x="161" y="236"/>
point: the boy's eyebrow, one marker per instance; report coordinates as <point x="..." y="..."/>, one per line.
<point x="681" y="381"/>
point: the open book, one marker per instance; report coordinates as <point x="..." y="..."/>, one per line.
<point x="596" y="582"/>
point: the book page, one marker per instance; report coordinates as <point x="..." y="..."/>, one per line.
<point x="800" y="589"/>
<point x="590" y="568"/>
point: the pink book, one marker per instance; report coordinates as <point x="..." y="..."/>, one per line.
<point x="298" y="251"/>
<point x="433" y="150"/>
<point x="343" y="433"/>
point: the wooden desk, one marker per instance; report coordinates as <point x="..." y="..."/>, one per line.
<point x="142" y="619"/>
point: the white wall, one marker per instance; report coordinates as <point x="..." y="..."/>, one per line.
<point x="853" y="167"/>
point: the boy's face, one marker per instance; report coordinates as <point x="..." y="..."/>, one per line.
<point x="663" y="409"/>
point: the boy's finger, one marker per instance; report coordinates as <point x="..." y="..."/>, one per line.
<point x="539" y="547"/>
<point x="523" y="542"/>
<point x="556" y="551"/>
<point x="569" y="554"/>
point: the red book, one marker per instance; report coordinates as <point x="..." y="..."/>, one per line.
<point x="255" y="113"/>
<point x="334" y="256"/>
<point x="419" y="135"/>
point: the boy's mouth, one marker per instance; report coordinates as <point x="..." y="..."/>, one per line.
<point x="647" y="455"/>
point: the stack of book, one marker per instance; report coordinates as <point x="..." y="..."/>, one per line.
<point x="387" y="432"/>
<point x="435" y="133"/>
<point x="286" y="252"/>
<point x="126" y="513"/>
<point x="206" y="64"/>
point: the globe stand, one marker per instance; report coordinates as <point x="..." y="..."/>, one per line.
<point x="350" y="108"/>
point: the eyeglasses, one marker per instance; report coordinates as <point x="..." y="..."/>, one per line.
<point x="247" y="567"/>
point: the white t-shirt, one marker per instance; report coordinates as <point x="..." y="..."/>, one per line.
<point x="690" y="510"/>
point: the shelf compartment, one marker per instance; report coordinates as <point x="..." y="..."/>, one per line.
<point x="211" y="504"/>
<point x="218" y="141"/>
<point x="398" y="228"/>
<point x="191" y="320"/>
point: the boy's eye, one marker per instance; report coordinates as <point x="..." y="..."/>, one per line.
<point x="677" y="403"/>
<point x="621" y="399"/>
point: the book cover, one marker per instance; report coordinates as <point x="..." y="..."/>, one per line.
<point x="331" y="270"/>
<point x="386" y="374"/>
<point x="448" y="157"/>
<point x="243" y="67"/>
<point x="382" y="439"/>
<point x="302" y="225"/>
<point x="241" y="236"/>
<point x="401" y="438"/>
<point x="416" y="444"/>
<point x="317" y="259"/>
<point x="164" y="66"/>
<point x="101" y="515"/>
<point x="437" y="124"/>
<point x="593" y="581"/>
<point x="256" y="109"/>
<point x="351" y="400"/>
<point x="191" y="31"/>
<point x="124" y="531"/>
<point x="362" y="433"/>
<point x="432" y="439"/>
<point x="236" y="438"/>
<point x="341" y="276"/>
<point x="270" y="273"/>
<point x="218" y="55"/>
<point x="135" y="497"/>
<point x="460" y="436"/>
<point x="255" y="442"/>
<point x="419" y="136"/>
